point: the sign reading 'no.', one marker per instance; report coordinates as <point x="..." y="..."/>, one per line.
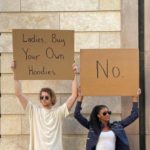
<point x="109" y="72"/>
<point x="43" y="54"/>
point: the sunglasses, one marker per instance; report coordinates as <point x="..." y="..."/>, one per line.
<point x="44" y="97"/>
<point x="106" y="112"/>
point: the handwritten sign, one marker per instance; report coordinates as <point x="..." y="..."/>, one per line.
<point x="109" y="72"/>
<point x="43" y="54"/>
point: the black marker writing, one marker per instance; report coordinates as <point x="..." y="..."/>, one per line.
<point x="115" y="71"/>
<point x="42" y="71"/>
<point x="58" y="40"/>
<point x="51" y="55"/>
<point x="32" y="39"/>
<point x="29" y="56"/>
<point x="105" y="71"/>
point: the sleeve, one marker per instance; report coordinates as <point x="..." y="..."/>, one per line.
<point x="81" y="119"/>
<point x="29" y="109"/>
<point x="132" y="117"/>
<point x="63" y="111"/>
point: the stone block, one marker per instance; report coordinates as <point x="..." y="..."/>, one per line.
<point x="147" y="142"/>
<point x="28" y="21"/>
<point x="110" y="40"/>
<point x="129" y="31"/>
<point x="14" y="142"/>
<point x="86" y="40"/>
<point x="110" y="5"/>
<point x="34" y="86"/>
<point x="73" y="127"/>
<point x="7" y="82"/>
<point x="25" y="124"/>
<point x="113" y="103"/>
<point x="61" y="5"/>
<point x="133" y="128"/>
<point x="9" y="5"/>
<point x="91" y="21"/>
<point x="10" y="105"/>
<point x="147" y="63"/>
<point x="77" y="142"/>
<point x="10" y="124"/>
<point x="6" y="59"/>
<point x="115" y="117"/>
<point x="134" y="142"/>
<point x="6" y="42"/>
<point x="63" y="99"/>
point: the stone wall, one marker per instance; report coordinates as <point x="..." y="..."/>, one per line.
<point x="129" y="39"/>
<point x="97" y="24"/>
<point x="147" y="70"/>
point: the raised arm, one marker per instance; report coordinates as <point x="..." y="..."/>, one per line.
<point x="71" y="100"/>
<point x="18" y="89"/>
<point x="77" y="114"/>
<point x="134" y="112"/>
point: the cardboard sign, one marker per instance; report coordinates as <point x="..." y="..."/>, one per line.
<point x="43" y="54"/>
<point x="109" y="72"/>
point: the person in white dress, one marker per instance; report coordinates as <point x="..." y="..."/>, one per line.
<point x="46" y="121"/>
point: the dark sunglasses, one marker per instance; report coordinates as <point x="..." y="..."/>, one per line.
<point x="44" y="97"/>
<point x="106" y="112"/>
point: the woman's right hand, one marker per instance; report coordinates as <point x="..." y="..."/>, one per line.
<point x="79" y="94"/>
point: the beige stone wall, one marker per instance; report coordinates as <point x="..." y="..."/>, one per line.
<point x="129" y="39"/>
<point x="97" y="24"/>
<point x="147" y="70"/>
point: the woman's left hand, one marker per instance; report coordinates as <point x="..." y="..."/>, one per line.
<point x="135" y="98"/>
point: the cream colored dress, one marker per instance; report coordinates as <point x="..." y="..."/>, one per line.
<point x="46" y="127"/>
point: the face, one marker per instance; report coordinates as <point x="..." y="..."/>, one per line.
<point x="45" y="100"/>
<point x="104" y="115"/>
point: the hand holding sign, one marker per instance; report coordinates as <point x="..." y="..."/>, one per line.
<point x="13" y="66"/>
<point x="135" y="97"/>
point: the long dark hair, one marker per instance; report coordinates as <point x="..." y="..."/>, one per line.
<point x="95" y="123"/>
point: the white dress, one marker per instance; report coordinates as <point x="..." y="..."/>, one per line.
<point x="106" y="141"/>
<point x="46" y="127"/>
